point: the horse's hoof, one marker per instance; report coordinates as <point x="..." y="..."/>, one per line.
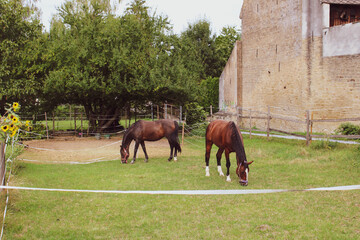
<point x="221" y="174"/>
<point x="175" y="159"/>
<point x="207" y="172"/>
<point x="228" y="179"/>
<point x="146" y="160"/>
<point x="132" y="162"/>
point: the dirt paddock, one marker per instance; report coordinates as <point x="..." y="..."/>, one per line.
<point x="71" y="149"/>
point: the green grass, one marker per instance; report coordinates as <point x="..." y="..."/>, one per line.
<point x="279" y="164"/>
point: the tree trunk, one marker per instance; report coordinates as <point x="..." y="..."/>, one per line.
<point x="104" y="119"/>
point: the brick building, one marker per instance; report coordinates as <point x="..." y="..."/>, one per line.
<point x="295" y="55"/>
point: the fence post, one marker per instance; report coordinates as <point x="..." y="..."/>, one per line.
<point x="75" y="121"/>
<point x="268" y="124"/>
<point x="311" y="125"/>
<point x="239" y="116"/>
<point x="307" y="128"/>
<point x="182" y="133"/>
<point x="2" y="162"/>
<point x="81" y="124"/>
<point x="165" y="111"/>
<point x="158" y="114"/>
<point x="211" y="111"/>
<point x="53" y="117"/>
<point x="152" y="112"/>
<point x="180" y="118"/>
<point x="89" y="123"/>
<point x="250" y="123"/>
<point x="47" y="128"/>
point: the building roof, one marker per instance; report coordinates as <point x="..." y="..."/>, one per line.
<point x="356" y="2"/>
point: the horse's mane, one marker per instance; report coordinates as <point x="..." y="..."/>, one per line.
<point x="127" y="135"/>
<point x="237" y="143"/>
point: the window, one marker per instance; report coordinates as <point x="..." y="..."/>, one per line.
<point x="342" y="14"/>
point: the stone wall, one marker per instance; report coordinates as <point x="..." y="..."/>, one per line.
<point x="230" y="79"/>
<point x="282" y="62"/>
<point x="273" y="73"/>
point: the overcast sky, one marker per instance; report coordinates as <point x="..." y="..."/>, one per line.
<point x="180" y="12"/>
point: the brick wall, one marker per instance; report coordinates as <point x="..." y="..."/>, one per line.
<point x="280" y="63"/>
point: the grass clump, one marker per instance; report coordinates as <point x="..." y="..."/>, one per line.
<point x="324" y="144"/>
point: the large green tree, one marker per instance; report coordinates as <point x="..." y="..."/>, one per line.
<point x="105" y="62"/>
<point x="224" y="43"/>
<point x="21" y="46"/>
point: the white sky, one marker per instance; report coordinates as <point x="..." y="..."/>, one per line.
<point x="180" y="12"/>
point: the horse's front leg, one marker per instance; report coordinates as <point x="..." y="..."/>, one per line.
<point x="135" y="151"/>
<point x="207" y="157"/>
<point x="228" y="164"/>
<point x="218" y="158"/>
<point x="144" y="149"/>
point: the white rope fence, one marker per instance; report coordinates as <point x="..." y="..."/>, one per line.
<point x="187" y="192"/>
<point x="61" y="150"/>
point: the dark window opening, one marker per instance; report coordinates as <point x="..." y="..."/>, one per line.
<point x="342" y="14"/>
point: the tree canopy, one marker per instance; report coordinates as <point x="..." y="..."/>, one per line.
<point x="104" y="62"/>
<point x="21" y="43"/>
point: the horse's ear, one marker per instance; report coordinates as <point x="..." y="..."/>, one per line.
<point x="250" y="162"/>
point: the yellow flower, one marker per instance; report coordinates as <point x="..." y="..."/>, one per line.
<point x="15" y="105"/>
<point x="27" y="123"/>
<point x="5" y="128"/>
<point x="13" y="133"/>
<point x="15" y="119"/>
<point x="11" y="127"/>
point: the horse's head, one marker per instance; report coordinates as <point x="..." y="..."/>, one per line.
<point x="124" y="152"/>
<point x="242" y="171"/>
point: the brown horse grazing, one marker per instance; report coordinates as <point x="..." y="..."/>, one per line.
<point x="142" y="131"/>
<point x="227" y="137"/>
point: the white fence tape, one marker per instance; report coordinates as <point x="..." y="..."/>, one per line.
<point x="188" y="192"/>
<point x="61" y="150"/>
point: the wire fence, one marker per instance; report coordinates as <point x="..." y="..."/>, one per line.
<point x="280" y="120"/>
<point x="76" y="123"/>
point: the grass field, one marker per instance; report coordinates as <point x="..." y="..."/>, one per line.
<point x="279" y="164"/>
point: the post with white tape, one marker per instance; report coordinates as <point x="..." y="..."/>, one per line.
<point x="2" y="163"/>
<point x="307" y="128"/>
<point x="47" y="128"/>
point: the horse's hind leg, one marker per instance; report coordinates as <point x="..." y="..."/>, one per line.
<point x="175" y="152"/>
<point x="135" y="151"/>
<point x="207" y="157"/>
<point x="171" y="150"/>
<point x="228" y="179"/>
<point x="218" y="158"/>
<point x="144" y="149"/>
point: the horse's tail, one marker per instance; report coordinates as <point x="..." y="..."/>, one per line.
<point x="237" y="143"/>
<point x="175" y="137"/>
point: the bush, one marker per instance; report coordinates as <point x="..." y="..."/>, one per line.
<point x="194" y="113"/>
<point x="348" y="129"/>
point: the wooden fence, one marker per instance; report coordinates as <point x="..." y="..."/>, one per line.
<point x="2" y="164"/>
<point x="308" y="122"/>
